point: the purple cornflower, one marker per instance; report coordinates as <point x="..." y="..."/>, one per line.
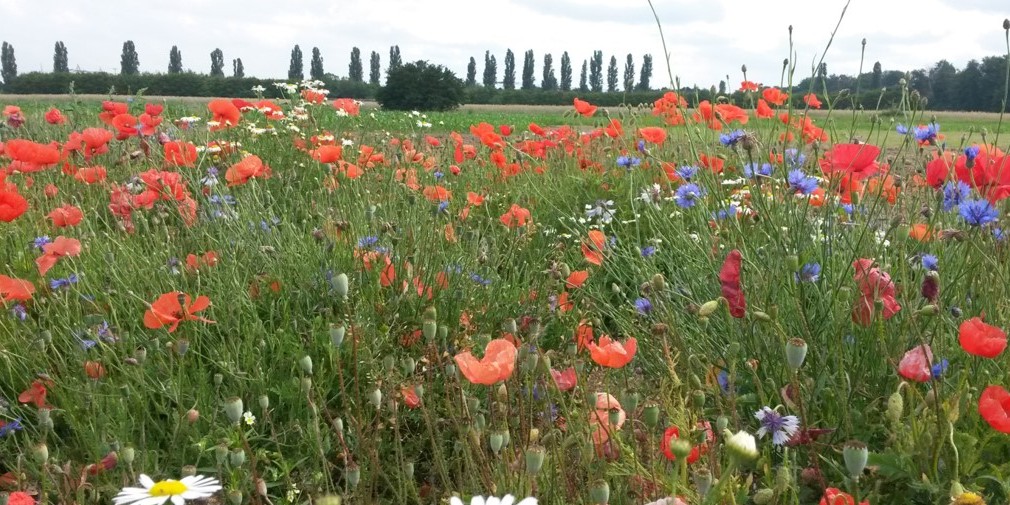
<point x="954" y="192"/>
<point x="438" y="175"/>
<point x="725" y="213"/>
<point x="367" y="241"/>
<point x="648" y="251"/>
<point x="641" y="146"/>
<point x="752" y="170"/>
<point x="40" y="242"/>
<point x="930" y="262"/>
<point x="781" y="427"/>
<point x="55" y="284"/>
<point x="901" y="129"/>
<point x="688" y="194"/>
<point x="11" y="427"/>
<point x="479" y="280"/>
<point x="810" y="272"/>
<point x="730" y="139"/>
<point x="927" y="133"/>
<point x="443" y="205"/>
<point x="628" y="161"/>
<point x="19" y="311"/>
<point x="800" y="182"/>
<point x="978" y="212"/>
<point x="687" y="172"/>
<point x="939" y="368"/>
<point x="643" y="306"/>
<point x="794" y="159"/>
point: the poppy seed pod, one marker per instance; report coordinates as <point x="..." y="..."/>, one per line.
<point x="535" y="459"/>
<point x="237" y="457"/>
<point x="599" y="492"/>
<point x="337" y="335"/>
<point x="763" y="496"/>
<point x="128" y="455"/>
<point x="650" y="415"/>
<point x="306" y="364"/>
<point x="375" y="398"/>
<point x="855" y="454"/>
<point x="702" y="481"/>
<point x="429" y="328"/>
<point x="353" y="475"/>
<point x="233" y="408"/>
<point x="218" y="379"/>
<point x="796" y="353"/>
<point x="510" y="326"/>
<point x="495" y="441"/>
<point x="408" y="365"/>
<point x="430" y="314"/>
<point x="341" y="285"/>
<point x="40" y="453"/>
<point x="235" y="497"/>
<point x="264" y="402"/>
<point x="408" y="470"/>
<point x="188" y="471"/>
<point x="220" y="453"/>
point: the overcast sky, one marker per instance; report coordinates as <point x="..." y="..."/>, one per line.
<point x="708" y="40"/>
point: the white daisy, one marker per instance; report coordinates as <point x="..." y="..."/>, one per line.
<point x="492" y="500"/>
<point x="194" y="487"/>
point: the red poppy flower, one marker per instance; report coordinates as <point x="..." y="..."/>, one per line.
<point x="600" y="418"/>
<point x="611" y="353"/>
<point x="653" y="134"/>
<point x="53" y="251"/>
<point x="112" y="109"/>
<point x="437" y="193"/>
<point x="12" y="289"/>
<point x="20" y="498"/>
<point x="126" y="125"/>
<point x="515" y="217"/>
<point x="153" y="109"/>
<point x="226" y="114"/>
<point x="593" y="249"/>
<point x="584" y="108"/>
<point x="173" y="308"/>
<point x="835" y="496"/>
<point x="55" y="117"/>
<point x="576" y="279"/>
<point x="347" y="105"/>
<point x="497" y="364"/>
<point x="938" y="170"/>
<point x="673" y="433"/>
<point x="565" y="380"/>
<point x="410" y="397"/>
<point x="811" y="100"/>
<point x="858" y="160"/>
<point x="91" y="175"/>
<point x="774" y="96"/>
<point x="748" y="86"/>
<point x="313" y="96"/>
<point x="179" y="153"/>
<point x="12" y="205"/>
<point x="36" y="393"/>
<point x="981" y="339"/>
<point x="994" y="407"/>
<point x="729" y="277"/>
<point x="917" y="363"/>
<point x="250" y="167"/>
<point x="763" y="110"/>
<point x="65" y="216"/>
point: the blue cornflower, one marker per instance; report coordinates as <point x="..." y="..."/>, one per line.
<point x="368" y="241"/>
<point x="901" y="129"/>
<point x="954" y="192"/>
<point x="930" y="262"/>
<point x="939" y="368"/>
<point x="978" y="212"/>
<point x="723" y="379"/>
<point x="927" y="133"/>
<point x="11" y="427"/>
<point x="39" y="242"/>
<point x="687" y="172"/>
<point x="19" y="311"/>
<point x="648" y="251"/>
<point x="86" y="343"/>
<point x="725" y="213"/>
<point x="62" y="283"/>
<point x="479" y="280"/>
<point x="810" y="272"/>
<point x="444" y="204"/>
<point x="849" y="209"/>
<point x="751" y="170"/>
<point x="643" y="306"/>
<point x="971" y="152"/>
<point x="104" y="332"/>
<point x="628" y="161"/>
<point x="800" y="182"/>
<point x="794" y="159"/>
<point x="688" y="194"/>
<point x="730" y="139"/>
<point x="438" y="175"/>
<point x="998" y="234"/>
<point x="781" y="427"/>
<point x="641" y="146"/>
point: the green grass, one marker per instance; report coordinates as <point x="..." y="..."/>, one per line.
<point x="333" y="419"/>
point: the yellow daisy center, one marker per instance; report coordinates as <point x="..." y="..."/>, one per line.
<point x="168" y="488"/>
<point x="969" y="499"/>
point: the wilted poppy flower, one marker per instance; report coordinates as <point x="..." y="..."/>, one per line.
<point x="611" y="353"/>
<point x="601" y="420"/>
<point x="173" y="308"/>
<point x="410" y="397"/>
<point x="981" y="339"/>
<point x="498" y="363"/>
<point x="874" y="284"/>
<point x="729" y="278"/>
<point x="584" y="108"/>
<point x="565" y="380"/>
<point x="857" y="160"/>
<point x="65" y="216"/>
<point x="917" y="364"/>
<point x="249" y="167"/>
<point x="12" y="205"/>
<point x="18" y="290"/>
<point x="55" y="117"/>
<point x="53" y="251"/>
<point x="994" y="407"/>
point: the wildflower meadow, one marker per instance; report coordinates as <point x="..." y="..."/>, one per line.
<point x="307" y="300"/>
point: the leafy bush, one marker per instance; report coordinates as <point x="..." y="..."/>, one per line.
<point x="421" y="86"/>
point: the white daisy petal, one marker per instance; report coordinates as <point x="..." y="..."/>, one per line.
<point x="178" y="500"/>
<point x="528" y="501"/>
<point x="454" y="500"/>
<point x="146" y="481"/>
<point x="507" y="499"/>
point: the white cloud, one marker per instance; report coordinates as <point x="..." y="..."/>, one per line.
<point x="707" y="40"/>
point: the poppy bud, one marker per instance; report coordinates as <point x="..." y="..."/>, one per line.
<point x="708" y="308"/>
<point x="192" y="416"/>
<point x="340" y="285"/>
<point x="353" y="475"/>
<point x="181" y="345"/>
<point x="188" y="471"/>
<point x="743" y="68"/>
<point x="408" y="470"/>
<point x="430" y="314"/>
<point x="408" y="365"/>
<point x="796" y="353"/>
<point x="40" y="453"/>
<point x="762" y="316"/>
<point x="931" y="286"/>
<point x="235" y="497"/>
<point x="472" y="404"/>
<point x="614" y="288"/>
<point x="530" y="362"/>
<point x="236" y="458"/>
<point x="218" y="379"/>
<point x="702" y="481"/>
<point x="337" y="335"/>
<point x="220" y="453"/>
<point x="502" y="393"/>
<point x="534" y="436"/>
<point x="375" y="398"/>
<point x="264" y="402"/>
<point x="495" y="441"/>
<point x="783" y="479"/>
<point x="429" y="328"/>
<point x="698" y="399"/>
<point x="895" y="406"/>
<point x="306" y="364"/>
<point x="928" y="310"/>
<point x="305" y="383"/>
<point x="763" y="496"/>
<point x="599" y="492"/>
<point x="614" y="418"/>
<point x="658" y="282"/>
<point x="140" y="355"/>
<point x="721" y="423"/>
<point x="128" y="455"/>
<point x="510" y="326"/>
<point x="564" y="270"/>
<point x="233" y="408"/>
<point x="855" y="454"/>
<point x="650" y="415"/>
<point x="338" y="425"/>
<point x="1006" y="24"/>
<point x="535" y="459"/>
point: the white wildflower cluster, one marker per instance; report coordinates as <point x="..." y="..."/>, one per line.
<point x="287" y="88"/>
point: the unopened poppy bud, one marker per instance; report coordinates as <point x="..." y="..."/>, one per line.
<point x="1006" y="24"/>
<point x="220" y="453"/>
<point x="261" y="487"/>
<point x="233" y="408"/>
<point x="181" y="345"/>
<point x="264" y="402"/>
<point x="408" y="365"/>
<point x="708" y="308"/>
<point x="681" y="448"/>
<point x="235" y="497"/>
<point x="698" y="399"/>
<point x="743" y="68"/>
<point x="479" y="422"/>
<point x="40" y="453"/>
<point x="237" y="457"/>
<point x="388" y="364"/>
<point x="305" y="383"/>
<point x="599" y="492"/>
<point x="855" y="454"/>
<point x="702" y="481"/>
<point x="353" y="475"/>
<point x="762" y="316"/>
<point x="658" y="282"/>
<point x="502" y="393"/>
<point x="534" y="436"/>
<point x="408" y="470"/>
<point x="337" y="335"/>
<point x="510" y="326"/>
<point x="614" y="288"/>
<point x="721" y="423"/>
<point x="564" y="270"/>
<point x="341" y="285"/>
<point x="535" y="459"/>
<point x="956" y="489"/>
<point x="430" y="314"/>
<point x="375" y="398"/>
<point x="650" y="415"/>
<point x="796" y="353"/>
<point x="218" y="379"/>
<point x="763" y="496"/>
<point x="306" y="364"/>
<point x="928" y="310"/>
<point x="128" y="454"/>
<point x="192" y="416"/>
<point x="495" y="441"/>
<point x="895" y="407"/>
<point x="429" y="328"/>
<point x="188" y="471"/>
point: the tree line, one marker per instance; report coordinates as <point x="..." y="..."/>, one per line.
<point x="590" y="78"/>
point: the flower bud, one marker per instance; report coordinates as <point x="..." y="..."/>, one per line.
<point x="708" y="308"/>
<point x="479" y="422"/>
<point x="220" y="453"/>
<point x="235" y="497"/>
<point x="763" y="496"/>
<point x="796" y="353"/>
<point x="855" y="454"/>
<point x="218" y="379"/>
<point x="721" y="423"/>
<point x="305" y="383"/>
<point x="650" y="415"/>
<point x="681" y="448"/>
<point x="233" y="408"/>
<point x="535" y="459"/>
<point x="192" y="416"/>
<point x="306" y="364"/>
<point x="430" y="314"/>
<point x="388" y="364"/>
<point x="408" y="365"/>
<point x="1006" y="24"/>
<point x="40" y="453"/>
<point x="341" y="285"/>
<point x="502" y="393"/>
<point x="353" y="475"/>
<point x="264" y="402"/>
<point x="375" y="398"/>
<point x="128" y="455"/>
<point x="895" y="407"/>
<point x="698" y="399"/>
<point x="658" y="282"/>
<point x="188" y="471"/>
<point x="429" y="328"/>
<point x="337" y="335"/>
<point x="236" y="458"/>
<point x="408" y="470"/>
<point x="534" y="435"/>
<point x="495" y="441"/>
<point x="599" y="492"/>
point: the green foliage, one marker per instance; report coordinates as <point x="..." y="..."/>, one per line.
<point x="596" y="71"/>
<point x="296" y="68"/>
<point x="612" y="75"/>
<point x="583" y="80"/>
<point x="175" y="61"/>
<point x="129" y="61"/>
<point x="566" y="72"/>
<point x="316" y="71"/>
<point x="217" y="63"/>
<point x="8" y="65"/>
<point x="490" y="70"/>
<point x="550" y="81"/>
<point x="528" y="65"/>
<point x="471" y="72"/>
<point x="629" y="73"/>
<point x="420" y="86"/>
<point x="646" y="73"/>
<point x="237" y="69"/>
<point x="394" y="58"/>
<point x="509" y="79"/>
<point x="354" y="69"/>
<point x="60" y="59"/>
<point x="373" y="69"/>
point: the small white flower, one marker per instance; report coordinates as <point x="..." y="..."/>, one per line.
<point x="346" y="142"/>
<point x="492" y="500"/>
<point x="249" y="418"/>
<point x="743" y="445"/>
<point x="194" y="487"/>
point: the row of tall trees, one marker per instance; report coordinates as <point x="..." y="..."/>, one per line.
<point x="591" y="81"/>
